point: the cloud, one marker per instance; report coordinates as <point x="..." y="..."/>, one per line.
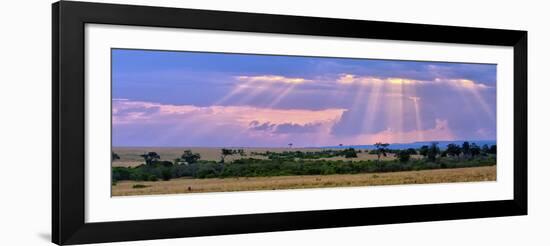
<point x="155" y="124"/>
<point x="297" y="128"/>
<point x="367" y="80"/>
<point x="464" y="83"/>
<point x="273" y="79"/>
<point x="243" y="115"/>
<point x="347" y="78"/>
<point x="288" y="128"/>
<point x="372" y="80"/>
<point x="267" y="126"/>
<point x="415" y="99"/>
<point x="127" y="111"/>
<point x="136" y="112"/>
<point x="482" y="73"/>
<point x="187" y="98"/>
<point x="484" y="133"/>
<point x="441" y="131"/>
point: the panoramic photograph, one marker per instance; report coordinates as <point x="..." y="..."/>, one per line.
<point x="195" y="122"/>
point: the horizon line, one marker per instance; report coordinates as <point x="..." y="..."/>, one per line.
<point x="302" y="147"/>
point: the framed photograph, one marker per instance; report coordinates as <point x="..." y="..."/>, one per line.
<point x="175" y="122"/>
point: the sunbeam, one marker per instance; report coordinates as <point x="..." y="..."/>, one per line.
<point x="248" y="100"/>
<point x="372" y="106"/>
<point x="394" y="107"/>
<point x="474" y="92"/>
<point x="418" y="120"/>
<point x="281" y="94"/>
<point x="236" y="90"/>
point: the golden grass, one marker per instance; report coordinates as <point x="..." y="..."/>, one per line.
<point x="186" y="185"/>
<point x="129" y="156"/>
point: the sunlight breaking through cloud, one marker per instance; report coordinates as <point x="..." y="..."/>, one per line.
<point x="370" y="80"/>
<point x="187" y="98"/>
<point x="273" y="79"/>
<point x="253" y="124"/>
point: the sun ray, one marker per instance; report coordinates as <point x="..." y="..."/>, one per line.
<point x="475" y="93"/>
<point x="418" y="119"/>
<point x="372" y="107"/>
<point x="390" y="108"/>
<point x="251" y="91"/>
<point x="282" y="94"/>
<point x="358" y="99"/>
<point x="236" y="90"/>
<point x="396" y="110"/>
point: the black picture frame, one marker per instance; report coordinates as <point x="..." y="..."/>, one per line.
<point x="68" y="172"/>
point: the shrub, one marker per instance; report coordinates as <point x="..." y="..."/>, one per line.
<point x="120" y="173"/>
<point x="139" y="186"/>
<point x="164" y="163"/>
<point x="404" y="156"/>
<point x="350" y="153"/>
<point x="208" y="170"/>
<point x="139" y="176"/>
<point x="166" y="174"/>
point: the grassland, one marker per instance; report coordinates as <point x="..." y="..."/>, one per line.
<point x="189" y="185"/>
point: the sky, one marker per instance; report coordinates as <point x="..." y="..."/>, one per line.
<point x="196" y="99"/>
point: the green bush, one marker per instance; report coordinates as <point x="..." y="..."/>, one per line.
<point x="404" y="156"/>
<point x="120" y="173"/>
<point x="350" y="153"/>
<point x="166" y="174"/>
<point x="139" y="186"/>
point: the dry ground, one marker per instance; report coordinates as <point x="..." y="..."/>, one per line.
<point x="129" y="156"/>
<point x="186" y="185"/>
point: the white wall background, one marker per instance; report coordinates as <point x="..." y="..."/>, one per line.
<point x="25" y="63"/>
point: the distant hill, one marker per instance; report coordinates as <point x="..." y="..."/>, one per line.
<point x="416" y="145"/>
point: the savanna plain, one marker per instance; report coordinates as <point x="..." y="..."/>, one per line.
<point x="170" y="170"/>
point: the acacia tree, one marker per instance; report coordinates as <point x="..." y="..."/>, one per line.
<point x="433" y="151"/>
<point x="453" y="150"/>
<point x="189" y="157"/>
<point x="350" y="153"/>
<point x="475" y="150"/>
<point x="466" y="148"/>
<point x="114" y="156"/>
<point x="150" y="157"/>
<point x="226" y="152"/>
<point x="411" y="151"/>
<point x="381" y="149"/>
<point x="485" y="149"/>
<point x="493" y="149"/>
<point x="241" y="152"/>
<point x="404" y="156"/>
<point x="424" y="150"/>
